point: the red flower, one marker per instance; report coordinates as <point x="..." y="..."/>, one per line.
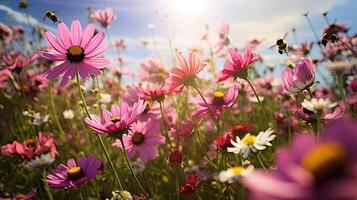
<point x="189" y="187"/>
<point x="224" y="141"/>
<point x="241" y="129"/>
<point x="175" y="157"/>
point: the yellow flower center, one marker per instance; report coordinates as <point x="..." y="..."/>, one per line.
<point x="249" y="139"/>
<point x="218" y="98"/>
<point x="237" y="170"/>
<point x="74" y="172"/>
<point x="148" y="106"/>
<point x="75" y="54"/>
<point x="325" y="160"/>
<point x="115" y="119"/>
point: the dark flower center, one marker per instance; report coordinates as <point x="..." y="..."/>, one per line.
<point x="115" y="119"/>
<point x="218" y="98"/>
<point x="75" y="173"/>
<point x="75" y="54"/>
<point x="189" y="80"/>
<point x="326" y="161"/>
<point x="30" y="143"/>
<point x="138" y="138"/>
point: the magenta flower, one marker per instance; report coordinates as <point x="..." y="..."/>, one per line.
<point x="300" y="78"/>
<point x="238" y="66"/>
<point x="312" y="168"/>
<point x="185" y="74"/>
<point x="218" y="103"/>
<point x="189" y="187"/>
<point x="142" y="140"/>
<point x="118" y="121"/>
<point x="104" y="17"/>
<point x="78" y="51"/>
<point x="75" y="174"/>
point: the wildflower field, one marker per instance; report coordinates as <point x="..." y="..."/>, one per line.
<point x="88" y="113"/>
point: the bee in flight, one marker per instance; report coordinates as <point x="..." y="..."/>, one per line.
<point x="281" y="45"/>
<point x="52" y="16"/>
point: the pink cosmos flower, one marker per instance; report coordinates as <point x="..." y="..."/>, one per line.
<point x="218" y="103"/>
<point x="238" y="66"/>
<point x="185" y="74"/>
<point x="104" y="17"/>
<point x="78" y="51"/>
<point x="300" y="78"/>
<point x="312" y="168"/>
<point x="118" y="121"/>
<point x="152" y="108"/>
<point x="31" y="147"/>
<point x="142" y="140"/>
<point x="5" y="77"/>
<point x="20" y="61"/>
<point x="223" y="30"/>
<point x="183" y="131"/>
<point x="155" y="94"/>
<point x="75" y="173"/>
<point x="120" y="44"/>
<point x="153" y="70"/>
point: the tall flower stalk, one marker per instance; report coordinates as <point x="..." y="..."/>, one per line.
<point x="131" y="168"/>
<point x="98" y="136"/>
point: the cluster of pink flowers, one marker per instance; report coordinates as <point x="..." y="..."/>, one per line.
<point x="31" y="147"/>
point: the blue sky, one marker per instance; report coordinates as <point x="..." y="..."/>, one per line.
<point x="260" y="19"/>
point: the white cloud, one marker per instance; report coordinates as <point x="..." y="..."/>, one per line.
<point x="21" y="17"/>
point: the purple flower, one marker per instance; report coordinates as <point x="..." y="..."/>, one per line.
<point x="300" y="78"/>
<point x="117" y="121"/>
<point x="312" y="169"/>
<point x="75" y="174"/>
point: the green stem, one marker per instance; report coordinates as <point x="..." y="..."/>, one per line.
<point x="260" y="103"/>
<point x="131" y="168"/>
<point x="214" y="119"/>
<point x="339" y="77"/>
<point x="80" y="193"/>
<point x="177" y="184"/>
<point x="54" y="112"/>
<point x="49" y="194"/>
<point x="164" y="123"/>
<point x="261" y="162"/>
<point x="202" y="145"/>
<point x="98" y="136"/>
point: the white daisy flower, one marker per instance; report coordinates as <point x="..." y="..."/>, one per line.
<point x="235" y="173"/>
<point x="318" y="105"/>
<point x="252" y="143"/>
<point x="40" y="161"/>
<point x="121" y="195"/>
<point x="68" y="114"/>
